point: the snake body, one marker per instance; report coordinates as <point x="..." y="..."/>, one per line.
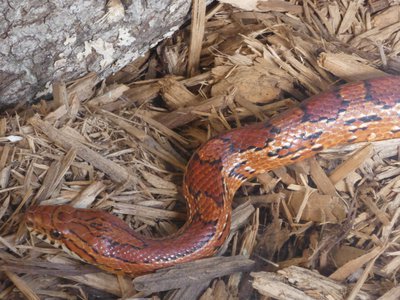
<point x="356" y="112"/>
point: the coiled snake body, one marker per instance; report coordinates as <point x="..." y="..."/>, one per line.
<point x="356" y="112"/>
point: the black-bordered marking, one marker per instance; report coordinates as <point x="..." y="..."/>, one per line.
<point x="395" y="130"/>
<point x="368" y="91"/>
<point x="251" y="148"/>
<point x="312" y="136"/>
<point x="317" y="147"/>
<point x="358" y="128"/>
<point x="370" y="118"/>
<point x="234" y="174"/>
<point x="350" y="121"/>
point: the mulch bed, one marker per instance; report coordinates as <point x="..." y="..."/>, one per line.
<point x="325" y="228"/>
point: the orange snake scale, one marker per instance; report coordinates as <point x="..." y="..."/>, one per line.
<point x="356" y="112"/>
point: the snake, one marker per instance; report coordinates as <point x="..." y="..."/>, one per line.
<point x="362" y="111"/>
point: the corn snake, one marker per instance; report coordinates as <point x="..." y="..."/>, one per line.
<point x="356" y="112"/>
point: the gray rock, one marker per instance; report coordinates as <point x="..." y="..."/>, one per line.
<point x="43" y="41"/>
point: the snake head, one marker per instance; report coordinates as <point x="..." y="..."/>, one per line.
<point x="90" y="235"/>
<point x="49" y="223"/>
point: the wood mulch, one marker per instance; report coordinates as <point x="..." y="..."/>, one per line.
<point x="325" y="228"/>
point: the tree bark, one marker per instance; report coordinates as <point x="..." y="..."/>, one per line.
<point x="43" y="41"/>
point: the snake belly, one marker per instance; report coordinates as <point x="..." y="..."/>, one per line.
<point x="356" y="112"/>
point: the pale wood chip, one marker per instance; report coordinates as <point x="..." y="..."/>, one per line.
<point x="387" y="17"/>
<point x="185" y="115"/>
<point x="197" y="33"/>
<point x="113" y="93"/>
<point x="164" y="129"/>
<point x="375" y="209"/>
<point x="101" y="281"/>
<point x="54" y="175"/>
<point x="247" y="248"/>
<point x="351" y="163"/>
<point x="219" y="290"/>
<point x="175" y="93"/>
<point x="352" y="266"/>
<point x="349" y="16"/>
<point x="392" y="294"/>
<point x="250" y="83"/>
<point x="141" y="93"/>
<point x="200" y="270"/>
<point x="299" y="283"/>
<point x="316" y="207"/>
<point x="324" y="184"/>
<point x="116" y="172"/>
<point x="145" y="211"/>
<point x="87" y="196"/>
<point x="157" y="181"/>
<point x="60" y="95"/>
<point x="83" y="87"/>
<point x="344" y="254"/>
<point x="347" y="66"/>
<point x="22" y="286"/>
<point x="3" y="126"/>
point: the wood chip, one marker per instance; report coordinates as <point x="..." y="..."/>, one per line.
<point x="347" y="67"/>
<point x="351" y="164"/>
<point x="298" y="283"/>
<point x="122" y="144"/>
<point x="201" y="270"/>
<point x="196" y="38"/>
<point x="116" y="172"/>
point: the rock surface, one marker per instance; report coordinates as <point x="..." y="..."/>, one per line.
<point x="43" y="41"/>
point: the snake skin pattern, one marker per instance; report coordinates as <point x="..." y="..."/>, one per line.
<point x="356" y="112"/>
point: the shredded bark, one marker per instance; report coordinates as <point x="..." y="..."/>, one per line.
<point x="325" y="228"/>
